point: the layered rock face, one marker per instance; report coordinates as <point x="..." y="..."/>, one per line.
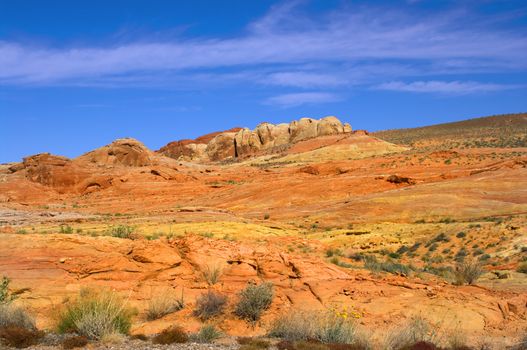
<point x="239" y="143"/>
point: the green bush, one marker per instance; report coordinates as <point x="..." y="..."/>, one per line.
<point x="371" y="263"/>
<point x="207" y="334"/>
<point x="333" y="252"/>
<point x="254" y="300"/>
<point x="461" y="234"/>
<point x="5" y="296"/>
<point x="96" y="314"/>
<point x="122" y="231"/>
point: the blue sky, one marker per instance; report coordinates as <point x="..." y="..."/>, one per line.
<point x="75" y="75"/>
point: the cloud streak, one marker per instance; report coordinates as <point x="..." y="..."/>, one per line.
<point x="302" y="98"/>
<point x="350" y="42"/>
<point x="445" y="87"/>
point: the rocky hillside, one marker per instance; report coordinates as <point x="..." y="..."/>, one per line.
<point x="508" y="130"/>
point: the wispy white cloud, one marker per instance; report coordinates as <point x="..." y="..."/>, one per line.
<point x="364" y="39"/>
<point x="304" y="79"/>
<point x="301" y="98"/>
<point x="444" y="87"/>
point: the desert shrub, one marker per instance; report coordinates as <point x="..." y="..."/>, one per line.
<point x="207" y="334"/>
<point x="522" y="268"/>
<point x="209" y="304"/>
<point x="212" y="274"/>
<point x="66" y="229"/>
<point x="15" y="316"/>
<point x="484" y="257"/>
<point x="254" y="300"/>
<point x="163" y="304"/>
<point x="74" y="342"/>
<point x="477" y="252"/>
<point x="171" y="335"/>
<point x="416" y="331"/>
<point x="414" y="247"/>
<point x="467" y="272"/>
<point x="335" y="260"/>
<point x="394" y="255"/>
<point x="461" y="234"/>
<point x="19" y="337"/>
<point x="325" y="327"/>
<point x="460" y="255"/>
<point x="333" y="252"/>
<point x="122" y="231"/>
<point x="96" y="314"/>
<point x="5" y="296"/>
<point x="402" y="249"/>
<point x="371" y="263"/>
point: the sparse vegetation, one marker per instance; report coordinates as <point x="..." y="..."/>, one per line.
<point x="122" y="231"/>
<point x="371" y="263"/>
<point x="95" y="314"/>
<point x="66" y="229"/>
<point x="164" y="304"/>
<point x="461" y="234"/>
<point x="417" y="330"/>
<point x="323" y="326"/>
<point x="522" y="267"/>
<point x="5" y="295"/>
<point x="15" y="316"/>
<point x="254" y="300"/>
<point x="467" y="272"/>
<point x="212" y="274"/>
<point x="207" y="334"/>
<point x="209" y="304"/>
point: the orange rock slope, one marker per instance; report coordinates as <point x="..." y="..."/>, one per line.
<point x="267" y="205"/>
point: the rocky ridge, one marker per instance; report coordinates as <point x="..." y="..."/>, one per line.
<point x="243" y="143"/>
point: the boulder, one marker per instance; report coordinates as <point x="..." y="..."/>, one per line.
<point x="221" y="147"/>
<point x="303" y="129"/>
<point x="329" y="126"/>
<point x="126" y="152"/>
<point x="246" y="142"/>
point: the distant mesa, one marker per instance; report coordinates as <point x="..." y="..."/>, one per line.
<point x="242" y="143"/>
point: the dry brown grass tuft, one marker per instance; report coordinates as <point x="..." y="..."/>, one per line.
<point x="74" y="342"/>
<point x="19" y="337"/>
<point x="171" y="335"/>
<point x="209" y="304"/>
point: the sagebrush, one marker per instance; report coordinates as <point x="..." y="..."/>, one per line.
<point x="96" y="314"/>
